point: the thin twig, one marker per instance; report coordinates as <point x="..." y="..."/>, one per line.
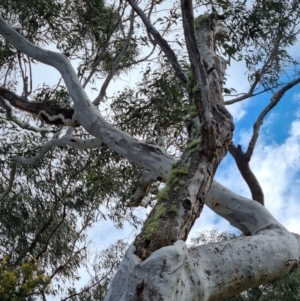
<point x="258" y="76"/>
<point x="114" y="68"/>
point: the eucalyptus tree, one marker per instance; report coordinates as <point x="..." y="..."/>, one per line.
<point x="172" y="128"/>
<point x="286" y="288"/>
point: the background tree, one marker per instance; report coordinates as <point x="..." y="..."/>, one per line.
<point x="58" y="180"/>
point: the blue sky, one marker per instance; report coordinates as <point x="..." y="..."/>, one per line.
<point x="278" y="120"/>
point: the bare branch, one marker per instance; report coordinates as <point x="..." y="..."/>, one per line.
<point x="251" y="219"/>
<point x="274" y="101"/>
<point x="243" y="165"/>
<point x="165" y="47"/>
<point x="242" y="159"/>
<point x="63" y="141"/>
<point x="10" y="116"/>
<point x="258" y="76"/>
<point x="24" y="77"/>
<point x="10" y="182"/>
<point x="102" y="93"/>
<point x="199" y="73"/>
<point x="45" y="112"/>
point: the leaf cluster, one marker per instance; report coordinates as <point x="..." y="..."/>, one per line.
<point x="157" y="107"/>
<point x="23" y="282"/>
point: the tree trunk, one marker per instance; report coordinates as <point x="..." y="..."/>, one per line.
<point x="213" y="271"/>
<point x="181" y="201"/>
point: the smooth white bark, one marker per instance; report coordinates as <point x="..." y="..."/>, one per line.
<point x="62" y="141"/>
<point x="147" y="156"/>
<point x="213" y="271"/>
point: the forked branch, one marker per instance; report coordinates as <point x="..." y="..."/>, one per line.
<point x="243" y="158"/>
<point x="163" y="44"/>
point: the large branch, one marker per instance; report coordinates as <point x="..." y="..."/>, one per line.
<point x="62" y="141"/>
<point x="248" y="175"/>
<point x="213" y="271"/>
<point x="200" y="72"/>
<point x="181" y="201"/>
<point x="148" y="156"/>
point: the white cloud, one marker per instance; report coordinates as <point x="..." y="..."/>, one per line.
<point x="296" y="96"/>
<point x="238" y="110"/>
<point x="277" y="169"/>
<point x="236" y="79"/>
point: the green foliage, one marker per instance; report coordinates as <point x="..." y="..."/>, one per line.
<point x="89" y="31"/>
<point x="258" y="29"/>
<point x="152" y="223"/>
<point x="158" y="106"/>
<point x="23" y="282"/>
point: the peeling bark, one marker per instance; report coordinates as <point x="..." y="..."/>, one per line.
<point x="214" y="271"/>
<point x="182" y="200"/>
<point x="48" y="113"/>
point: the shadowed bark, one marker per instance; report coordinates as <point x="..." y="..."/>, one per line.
<point x="50" y="114"/>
